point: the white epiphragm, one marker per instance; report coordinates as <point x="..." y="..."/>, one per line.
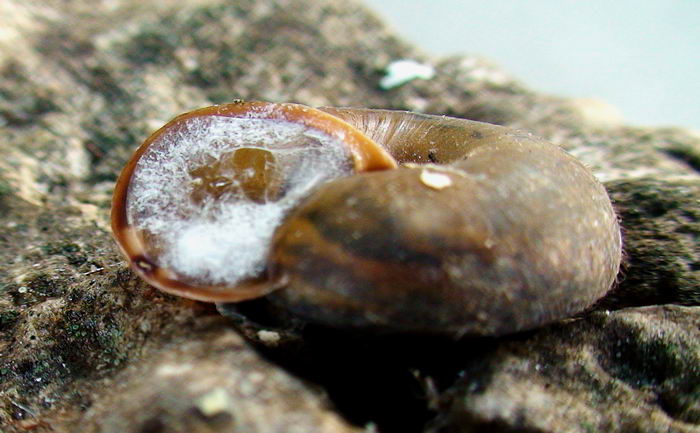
<point x="223" y="240"/>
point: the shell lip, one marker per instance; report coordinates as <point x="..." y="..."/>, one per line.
<point x="365" y="153"/>
<point x="132" y="247"/>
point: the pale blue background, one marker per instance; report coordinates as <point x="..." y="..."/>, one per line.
<point x="641" y="56"/>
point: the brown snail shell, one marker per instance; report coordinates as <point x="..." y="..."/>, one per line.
<point x="482" y="230"/>
<point x="517" y="234"/>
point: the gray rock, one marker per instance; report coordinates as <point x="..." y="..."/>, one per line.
<point x="631" y="370"/>
<point x="213" y="382"/>
<point x="662" y="222"/>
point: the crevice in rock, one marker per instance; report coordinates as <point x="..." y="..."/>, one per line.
<point x="393" y="382"/>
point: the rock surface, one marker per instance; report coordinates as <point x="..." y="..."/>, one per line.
<point x="636" y="369"/>
<point x="85" y="346"/>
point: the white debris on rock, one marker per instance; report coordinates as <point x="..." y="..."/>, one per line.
<point x="269" y="337"/>
<point x="214" y="402"/>
<point x="400" y="72"/>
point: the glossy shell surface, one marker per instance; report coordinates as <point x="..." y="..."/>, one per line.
<point x="441" y="225"/>
<point x="510" y="233"/>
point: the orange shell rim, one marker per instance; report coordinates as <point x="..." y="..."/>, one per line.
<point x="366" y="154"/>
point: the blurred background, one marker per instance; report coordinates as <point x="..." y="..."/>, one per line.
<point x="641" y="57"/>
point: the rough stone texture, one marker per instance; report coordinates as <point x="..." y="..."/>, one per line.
<point x="631" y="370"/>
<point x="211" y="383"/>
<point x="662" y="221"/>
<point x="86" y="346"/>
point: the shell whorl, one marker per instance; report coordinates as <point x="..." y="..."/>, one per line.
<point x="431" y="224"/>
<point x="520" y="234"/>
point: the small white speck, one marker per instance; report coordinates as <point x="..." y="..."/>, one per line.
<point x="214" y="402"/>
<point x="269" y="337"/>
<point x="22" y="289"/>
<point x="403" y="71"/>
<point x="435" y="180"/>
<point x="145" y="326"/>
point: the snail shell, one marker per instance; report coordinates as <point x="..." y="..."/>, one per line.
<point x="436" y="224"/>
